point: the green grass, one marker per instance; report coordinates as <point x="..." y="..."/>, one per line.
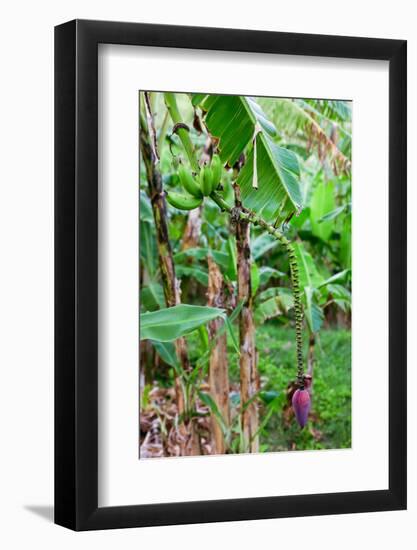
<point x="331" y="404"/>
<point x="329" y="425"/>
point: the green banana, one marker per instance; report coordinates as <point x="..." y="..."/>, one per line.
<point x="183" y="201"/>
<point x="189" y="183"/>
<point x="206" y="180"/>
<point x="216" y="167"/>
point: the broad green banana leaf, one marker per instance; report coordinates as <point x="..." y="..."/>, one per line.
<point x="338" y="110"/>
<point x="221" y="258"/>
<point x="340" y="276"/>
<point x="197" y="273"/>
<point x="299" y="120"/>
<point x="152" y="296"/>
<point x="232" y="119"/>
<point x="322" y="203"/>
<point x="345" y="251"/>
<point x="334" y="213"/>
<point x="271" y="186"/>
<point x="341" y="296"/>
<point x="313" y="312"/>
<point x="277" y="194"/>
<point x="271" y="303"/>
<point x="171" y="323"/>
<point x="266" y="273"/>
<point x="284" y="293"/>
<point x="166" y="350"/>
<point x="262" y="244"/>
<point x="269" y="309"/>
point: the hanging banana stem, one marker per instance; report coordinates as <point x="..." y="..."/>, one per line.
<point x="295" y="282"/>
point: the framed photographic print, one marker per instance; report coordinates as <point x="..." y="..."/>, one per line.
<point x="230" y="235"/>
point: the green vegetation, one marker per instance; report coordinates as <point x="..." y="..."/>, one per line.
<point x="245" y="273"/>
<point x="331" y="407"/>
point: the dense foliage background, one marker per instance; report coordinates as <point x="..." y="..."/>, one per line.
<point x="317" y="133"/>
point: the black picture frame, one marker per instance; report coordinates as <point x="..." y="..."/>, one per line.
<point x="76" y="272"/>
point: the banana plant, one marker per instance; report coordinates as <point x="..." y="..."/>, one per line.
<point x="267" y="189"/>
<point x="238" y="142"/>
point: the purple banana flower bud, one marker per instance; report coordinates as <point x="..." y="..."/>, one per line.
<point x="301" y="404"/>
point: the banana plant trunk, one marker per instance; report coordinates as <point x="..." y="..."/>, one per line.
<point x="192" y="232"/>
<point x="191" y="239"/>
<point x="190" y="443"/>
<point x="218" y="367"/>
<point x="249" y="380"/>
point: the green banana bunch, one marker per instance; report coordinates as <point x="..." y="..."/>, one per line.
<point x="183" y="201"/>
<point x="189" y="183"/>
<point x="196" y="188"/>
